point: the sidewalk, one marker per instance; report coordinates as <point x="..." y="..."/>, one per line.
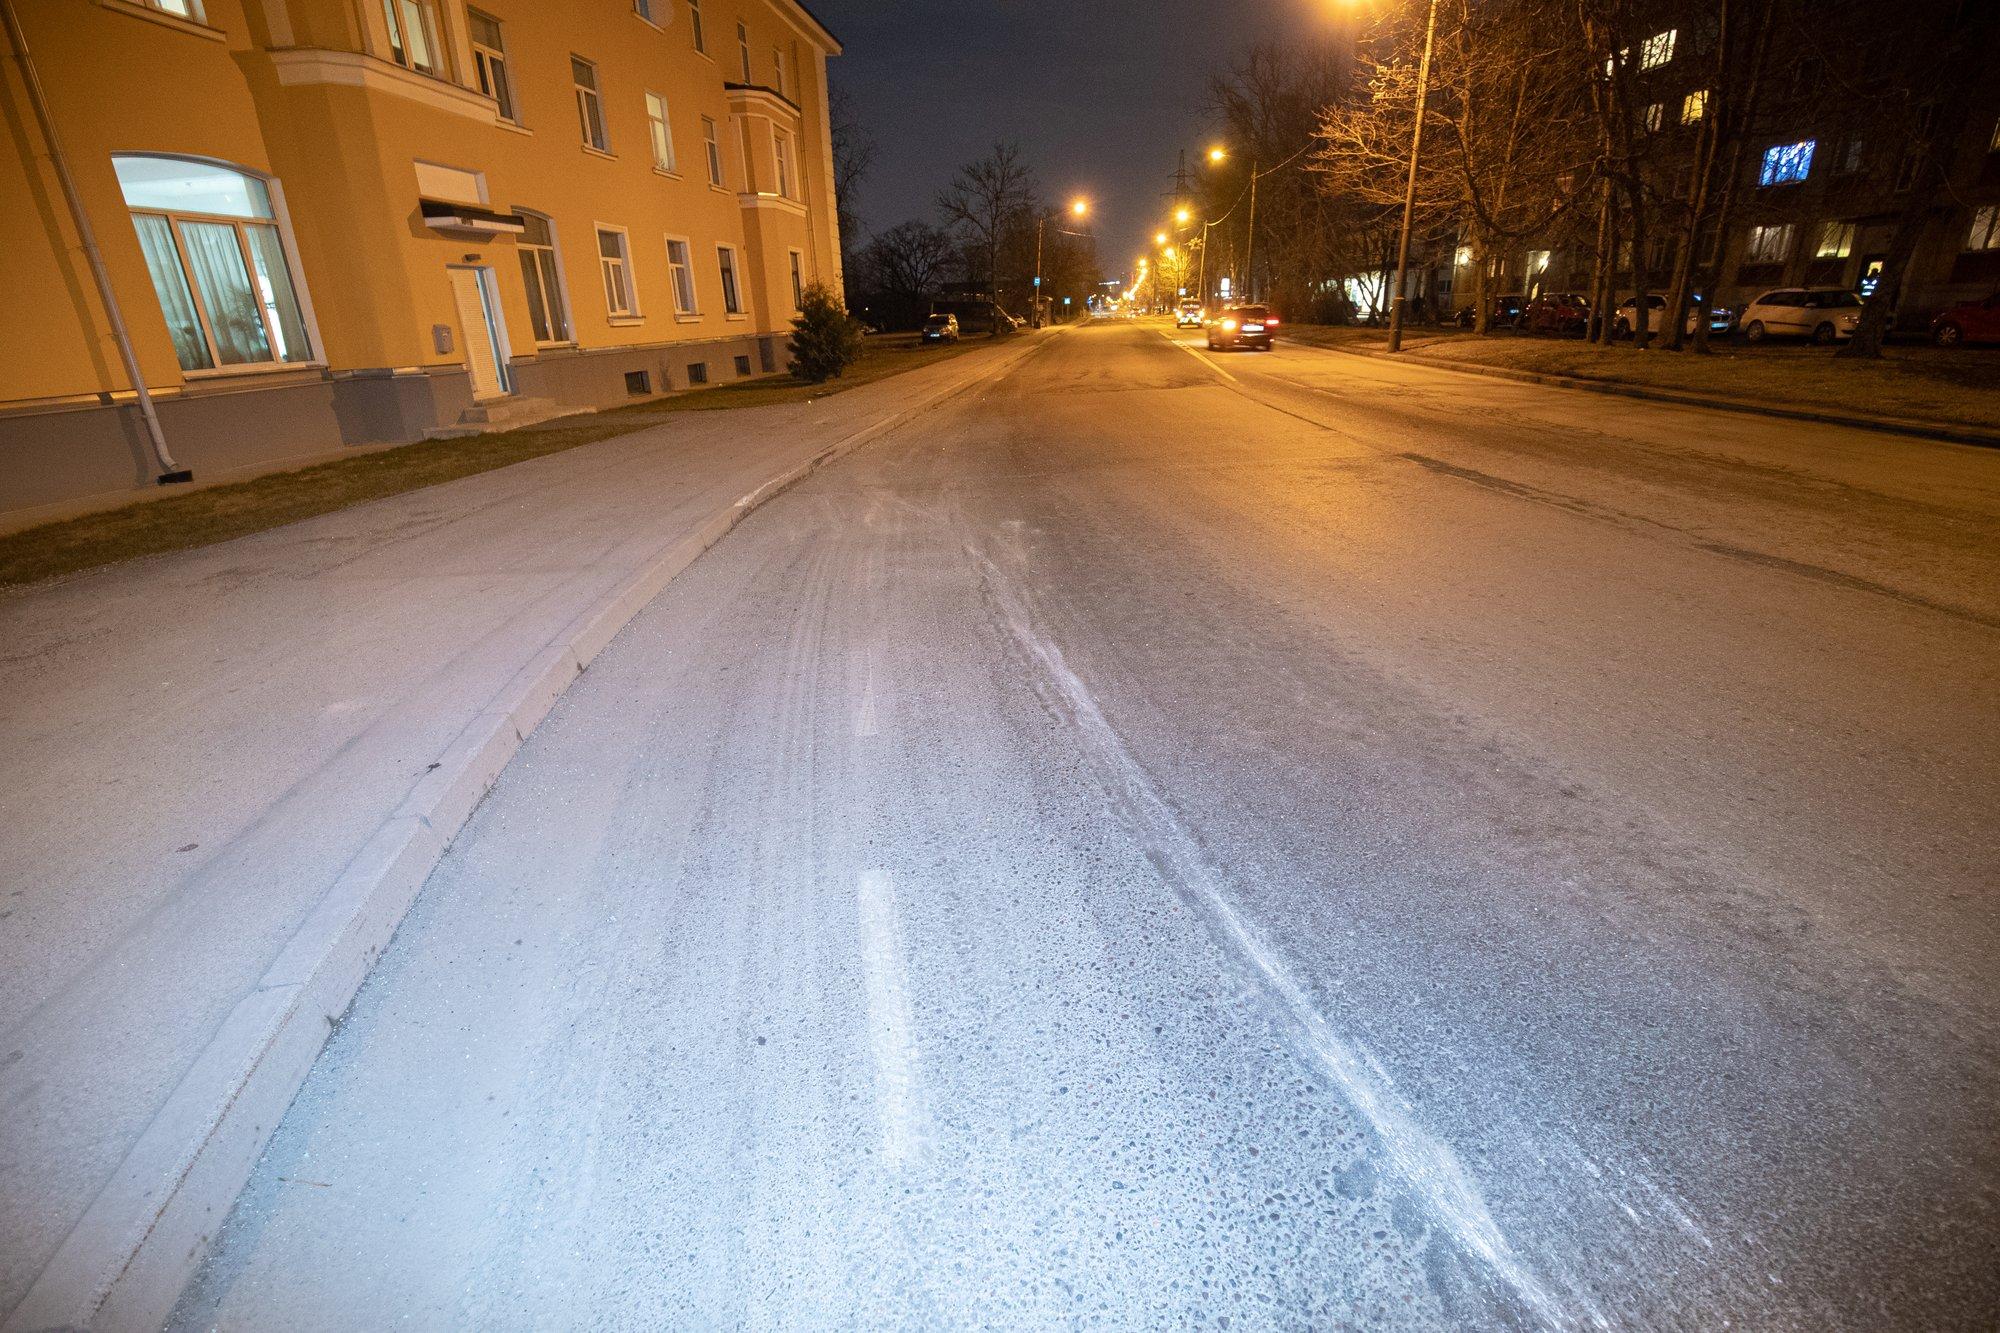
<point x="225" y="772"/>
<point x="1953" y="396"/>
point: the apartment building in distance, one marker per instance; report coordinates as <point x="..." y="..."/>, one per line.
<point x="1825" y="179"/>
<point x="331" y="223"/>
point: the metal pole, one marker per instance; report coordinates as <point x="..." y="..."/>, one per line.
<point x="170" y="471"/>
<point x="1038" y="272"/>
<point x="1410" y="191"/>
<point x="1201" y="269"/>
<point x="1250" y="245"/>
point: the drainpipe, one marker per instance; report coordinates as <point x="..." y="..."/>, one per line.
<point x="170" y="471"/>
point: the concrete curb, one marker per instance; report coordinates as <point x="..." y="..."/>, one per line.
<point x="1925" y="430"/>
<point x="124" y="1264"/>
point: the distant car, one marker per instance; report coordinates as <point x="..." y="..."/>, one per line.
<point x="1625" y="320"/>
<point x="1242" y="326"/>
<point x="1505" y="314"/>
<point x="941" y="329"/>
<point x="1971" y="322"/>
<point x="1823" y="314"/>
<point x="1557" y="312"/>
<point x="1189" y="316"/>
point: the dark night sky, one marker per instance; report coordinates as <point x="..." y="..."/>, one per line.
<point x="1101" y="94"/>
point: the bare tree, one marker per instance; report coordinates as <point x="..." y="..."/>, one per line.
<point x="910" y="260"/>
<point x="853" y="154"/>
<point x="984" y="200"/>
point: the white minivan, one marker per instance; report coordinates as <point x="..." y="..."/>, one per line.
<point x="1823" y="314"/>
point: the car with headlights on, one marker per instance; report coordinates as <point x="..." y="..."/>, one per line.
<point x="1242" y="326"/>
<point x="1190" y="315"/>
<point x="941" y="329"/>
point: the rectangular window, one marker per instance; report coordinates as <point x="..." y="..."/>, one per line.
<point x="589" y="106"/>
<point x="1655" y="116"/>
<point x="662" y="131"/>
<point x="680" y="267"/>
<point x="489" y="62"/>
<point x="644" y="9"/>
<point x="732" y="296"/>
<point x="713" y="149"/>
<point x="1850" y="158"/>
<point x="1787" y="163"/>
<point x="412" y="34"/>
<point x="694" y="26"/>
<point x="798" y="280"/>
<point x="616" y="261"/>
<point x="1694" y="106"/>
<point x="1985" y="231"/>
<point x="210" y="240"/>
<point x="781" y="152"/>
<point x="778" y="67"/>
<point x="548" y="311"/>
<point x="184" y="9"/>
<point x="1658" y="49"/>
<point x="743" y="46"/>
<point x="1836" y="240"/>
<point x="1768" y="245"/>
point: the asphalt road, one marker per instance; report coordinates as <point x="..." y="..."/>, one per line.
<point x="1288" y="839"/>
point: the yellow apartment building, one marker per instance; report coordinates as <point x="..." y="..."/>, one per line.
<point x="331" y="223"/>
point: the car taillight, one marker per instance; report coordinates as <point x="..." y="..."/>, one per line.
<point x="1271" y="323"/>
<point x="1228" y="323"/>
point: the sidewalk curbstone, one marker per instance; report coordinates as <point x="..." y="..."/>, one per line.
<point x="126" y="1261"/>
<point x="1926" y="430"/>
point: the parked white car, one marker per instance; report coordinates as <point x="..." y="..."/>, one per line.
<point x="1823" y="314"/>
<point x="1626" y="317"/>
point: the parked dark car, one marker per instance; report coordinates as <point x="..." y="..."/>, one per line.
<point x="941" y="329"/>
<point x="1242" y="326"/>
<point x="1505" y="314"/>
<point x="1557" y="312"/>
<point x="1971" y="322"/>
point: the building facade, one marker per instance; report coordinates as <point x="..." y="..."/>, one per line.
<point x="1824" y="181"/>
<point x="332" y="223"/>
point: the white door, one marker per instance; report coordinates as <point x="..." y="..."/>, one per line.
<point x="485" y="337"/>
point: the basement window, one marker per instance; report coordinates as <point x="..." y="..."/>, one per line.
<point x="638" y="382"/>
<point x="742" y="365"/>
<point x="697" y="372"/>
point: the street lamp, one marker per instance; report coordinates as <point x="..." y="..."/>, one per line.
<point x="1077" y="208"/>
<point x="1181" y="215"/>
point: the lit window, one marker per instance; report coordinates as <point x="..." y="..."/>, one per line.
<point x="589" y="106"/>
<point x="1658" y="49"/>
<point x="210" y="238"/>
<point x="1787" y="163"/>
<point x="680" y="267"/>
<point x="1993" y="144"/>
<point x="180" y="9"/>
<point x="1985" y="232"/>
<point x="743" y="47"/>
<point x="1694" y="106"/>
<point x="616" y="262"/>
<point x="662" y="131"/>
<point x="412" y="34"/>
<point x="1836" y="240"/>
<point x="1655" y="116"/>
<point x="540" y="275"/>
<point x="781" y="152"/>
<point x="798" y="280"/>
<point x="694" y="26"/>
<point x="732" y="295"/>
<point x="1768" y="244"/>
<point x="713" y="148"/>
<point x="489" y="61"/>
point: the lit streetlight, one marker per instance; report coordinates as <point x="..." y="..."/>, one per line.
<point x="1077" y="208"/>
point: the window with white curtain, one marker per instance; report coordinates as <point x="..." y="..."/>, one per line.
<point x="212" y="246"/>
<point x="589" y="104"/>
<point x="662" y="131"/>
<point x="412" y="34"/>
<point x="680" y="267"/>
